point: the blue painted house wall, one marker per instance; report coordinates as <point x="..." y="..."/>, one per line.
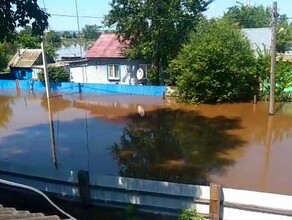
<point x="21" y="73"/>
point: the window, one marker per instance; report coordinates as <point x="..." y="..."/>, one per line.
<point x="113" y="72"/>
<point x="146" y="68"/>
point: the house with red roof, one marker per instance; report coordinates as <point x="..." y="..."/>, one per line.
<point x="106" y="63"/>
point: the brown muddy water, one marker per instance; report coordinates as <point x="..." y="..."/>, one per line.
<point x="236" y="145"/>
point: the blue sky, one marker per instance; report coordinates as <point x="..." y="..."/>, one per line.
<point x="99" y="8"/>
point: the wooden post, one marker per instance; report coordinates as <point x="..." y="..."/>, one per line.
<point x="255" y="99"/>
<point x="84" y="187"/>
<point x="45" y="67"/>
<point x="273" y="60"/>
<point x="215" y="200"/>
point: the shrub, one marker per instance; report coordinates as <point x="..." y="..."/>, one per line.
<point x="216" y="65"/>
<point x="189" y="214"/>
<point x="283" y="77"/>
<point x="56" y="75"/>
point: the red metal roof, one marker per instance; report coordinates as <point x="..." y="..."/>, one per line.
<point x="106" y="46"/>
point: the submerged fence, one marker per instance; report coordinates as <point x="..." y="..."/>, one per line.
<point x="68" y="87"/>
<point x="213" y="202"/>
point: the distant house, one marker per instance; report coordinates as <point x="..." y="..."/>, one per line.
<point x="260" y="38"/>
<point x="106" y="63"/>
<point x="27" y="63"/>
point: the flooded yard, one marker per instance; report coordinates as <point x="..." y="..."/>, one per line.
<point x="237" y="145"/>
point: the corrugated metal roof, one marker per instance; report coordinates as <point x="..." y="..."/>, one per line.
<point x="25" y="58"/>
<point x="106" y="46"/>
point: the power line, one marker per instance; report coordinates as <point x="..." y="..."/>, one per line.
<point x="74" y="16"/>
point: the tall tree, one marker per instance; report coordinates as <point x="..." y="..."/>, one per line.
<point x="216" y="65"/>
<point x="25" y="39"/>
<point x="15" y="13"/>
<point x="258" y="17"/>
<point x="249" y="16"/>
<point x="7" y="50"/>
<point x="155" y="29"/>
<point x="53" y="37"/>
<point x="91" y="32"/>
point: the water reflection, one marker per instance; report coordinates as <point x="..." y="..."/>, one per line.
<point x="57" y="103"/>
<point x="175" y="145"/>
<point x="6" y="111"/>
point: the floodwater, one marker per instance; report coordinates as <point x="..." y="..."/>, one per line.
<point x="236" y="145"/>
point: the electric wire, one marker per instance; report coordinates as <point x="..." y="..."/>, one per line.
<point x="6" y="182"/>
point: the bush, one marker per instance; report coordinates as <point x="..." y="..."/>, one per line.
<point x="283" y="77"/>
<point x="56" y="75"/>
<point x="189" y="214"/>
<point x="216" y="65"/>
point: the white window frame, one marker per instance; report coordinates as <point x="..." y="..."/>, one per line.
<point x="116" y="68"/>
<point x="146" y="68"/>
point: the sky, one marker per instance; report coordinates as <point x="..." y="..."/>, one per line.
<point x="99" y="8"/>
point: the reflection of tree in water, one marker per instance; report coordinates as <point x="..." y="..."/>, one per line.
<point x="6" y="111"/>
<point x="58" y="103"/>
<point x="175" y="145"/>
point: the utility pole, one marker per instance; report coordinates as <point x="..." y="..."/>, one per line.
<point x="47" y="82"/>
<point x="78" y="26"/>
<point x="45" y="67"/>
<point x="273" y="59"/>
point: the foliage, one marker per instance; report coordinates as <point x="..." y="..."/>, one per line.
<point x="283" y="77"/>
<point x="216" y="65"/>
<point x="189" y="214"/>
<point x="53" y="38"/>
<point x="25" y="39"/>
<point x="155" y="29"/>
<point x="67" y="34"/>
<point x="249" y="16"/>
<point x="284" y="36"/>
<point x="258" y="17"/>
<point x="16" y="13"/>
<point x="56" y="75"/>
<point x="131" y="212"/>
<point x="91" y="32"/>
<point x="7" y="50"/>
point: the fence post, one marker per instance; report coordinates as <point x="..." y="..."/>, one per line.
<point x="215" y="200"/>
<point x="83" y="185"/>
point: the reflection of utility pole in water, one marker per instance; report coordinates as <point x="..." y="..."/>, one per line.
<point x="268" y="145"/>
<point x="52" y="132"/>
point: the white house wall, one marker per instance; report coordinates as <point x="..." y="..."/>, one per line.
<point x="97" y="72"/>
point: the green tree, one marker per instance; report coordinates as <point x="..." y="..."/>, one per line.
<point x="284" y="36"/>
<point x="283" y="77"/>
<point x="16" y="13"/>
<point x="67" y="34"/>
<point x="91" y="32"/>
<point x="216" y="65"/>
<point x="25" y="39"/>
<point x="155" y="29"/>
<point x="258" y="17"/>
<point x="56" y="75"/>
<point x="7" y="50"/>
<point x="250" y="16"/>
<point x="53" y="38"/>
